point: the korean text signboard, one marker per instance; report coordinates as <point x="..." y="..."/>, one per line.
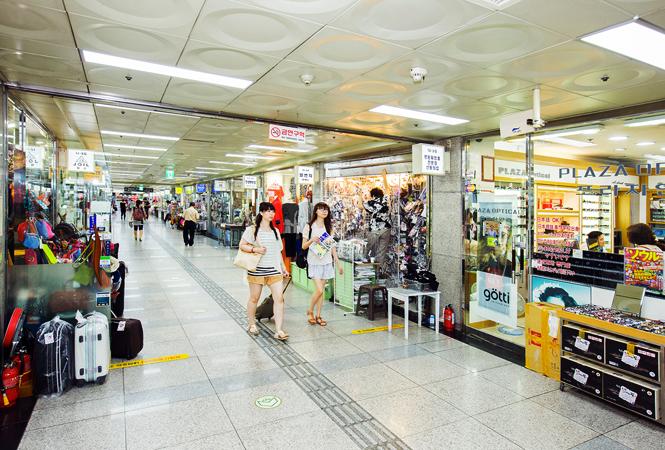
<point x="221" y="185"/>
<point x="250" y="182"/>
<point x="643" y="267"/>
<point x="429" y="159"/>
<point x="289" y="134"/>
<point x="81" y="161"/>
<point x="305" y="174"/>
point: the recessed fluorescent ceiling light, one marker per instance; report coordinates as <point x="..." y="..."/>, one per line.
<point x="216" y="169"/>
<point x="401" y="112"/>
<point x="659" y="157"/>
<point x="637" y="40"/>
<point x="564" y="141"/>
<point x="618" y="138"/>
<point x="169" y="71"/>
<point x="119" y="155"/>
<point x="644" y="144"/>
<point x="139" y="135"/>
<point x="123" y="163"/>
<point x="645" y="122"/>
<point x="304" y="149"/>
<point x="136" y="147"/>
<point x="232" y="163"/>
<point x="571" y="132"/>
<point x="619" y="149"/>
<point x="123" y="108"/>
<point x="248" y="156"/>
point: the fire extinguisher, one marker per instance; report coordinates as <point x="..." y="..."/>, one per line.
<point x="9" y="385"/>
<point x="23" y="362"/>
<point x="449" y="318"/>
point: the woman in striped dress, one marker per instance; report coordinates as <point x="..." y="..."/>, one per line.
<point x="263" y="238"/>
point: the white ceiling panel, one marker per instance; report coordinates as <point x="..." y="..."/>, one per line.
<point x="406" y="23"/>
<point x="285" y="79"/>
<point x="126" y="41"/>
<point x="482" y="83"/>
<point x="320" y="11"/>
<point x="562" y="61"/>
<point x="113" y="76"/>
<point x="523" y="99"/>
<point x="634" y="95"/>
<point x="639" y="7"/>
<point x="331" y="110"/>
<point x="31" y="22"/>
<point x="30" y="79"/>
<point x="621" y="76"/>
<point x="36" y="65"/>
<point x="581" y="105"/>
<point x="371" y="90"/>
<point x="225" y="61"/>
<point x="244" y="27"/>
<point x="495" y="39"/>
<point x="476" y="111"/>
<point x="555" y="15"/>
<point x="163" y="124"/>
<point x="115" y="91"/>
<point x="39" y="48"/>
<point x="264" y="103"/>
<point x="657" y="18"/>
<point x="174" y="17"/>
<point x="52" y="4"/>
<point x="341" y="50"/>
<point x="199" y="95"/>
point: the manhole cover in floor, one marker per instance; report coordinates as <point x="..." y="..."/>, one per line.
<point x="268" y="402"/>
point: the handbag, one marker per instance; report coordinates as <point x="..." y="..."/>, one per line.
<point x="301" y="259"/>
<point x="246" y="260"/>
<point x="44" y="229"/>
<point x="31" y="238"/>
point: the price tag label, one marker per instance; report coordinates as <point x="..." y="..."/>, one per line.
<point x="580" y="376"/>
<point x="48" y="338"/>
<point x="121" y="325"/>
<point x="582" y="344"/>
<point x="627" y="395"/>
<point x="630" y="359"/>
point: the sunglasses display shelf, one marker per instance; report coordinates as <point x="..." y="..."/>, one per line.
<point x="597" y="215"/>
<point x="614" y="356"/>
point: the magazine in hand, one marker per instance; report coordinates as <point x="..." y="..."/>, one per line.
<point x="323" y="246"/>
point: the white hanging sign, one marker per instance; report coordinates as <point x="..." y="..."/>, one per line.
<point x="289" y="134"/>
<point x="250" y="181"/>
<point x="81" y="161"/>
<point x="34" y="158"/>
<point x="305" y="174"/>
<point x="221" y="185"/>
<point x="430" y="159"/>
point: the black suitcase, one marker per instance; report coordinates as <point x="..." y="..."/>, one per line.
<point x="265" y="309"/>
<point x="54" y="357"/>
<point x="126" y="337"/>
<point x="118" y="295"/>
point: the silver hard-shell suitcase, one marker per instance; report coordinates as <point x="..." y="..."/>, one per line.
<point x="92" y="348"/>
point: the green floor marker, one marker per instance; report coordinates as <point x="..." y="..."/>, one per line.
<point x="268" y="402"/>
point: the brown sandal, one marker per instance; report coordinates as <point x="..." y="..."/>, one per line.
<point x="310" y="318"/>
<point x="321" y="322"/>
<point x="281" y="336"/>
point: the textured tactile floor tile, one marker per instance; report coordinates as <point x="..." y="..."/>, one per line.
<point x="313" y="430"/>
<point x="640" y="435"/>
<point x="426" y="368"/>
<point x="411" y="411"/>
<point x="370" y="381"/>
<point x="532" y="426"/>
<point x="466" y="434"/>
<point x="99" y="433"/>
<point x="473" y="394"/>
<point x="584" y="410"/>
<point x="175" y="423"/>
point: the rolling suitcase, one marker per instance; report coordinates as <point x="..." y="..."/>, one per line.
<point x="265" y="309"/>
<point x="126" y="337"/>
<point x="92" y="350"/>
<point x="54" y="357"/>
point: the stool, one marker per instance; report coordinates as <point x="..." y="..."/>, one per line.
<point x="372" y="290"/>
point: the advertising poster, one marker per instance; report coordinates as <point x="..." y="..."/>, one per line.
<point x="559" y="292"/>
<point x="497" y="294"/>
<point x="644" y="268"/>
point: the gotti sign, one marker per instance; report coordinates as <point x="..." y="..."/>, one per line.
<point x="497" y="298"/>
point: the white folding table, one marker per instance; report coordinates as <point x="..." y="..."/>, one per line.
<point x="405" y="296"/>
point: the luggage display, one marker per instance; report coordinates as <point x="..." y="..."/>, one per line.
<point x="265" y="309"/>
<point x="126" y="337"/>
<point x="54" y="357"/>
<point x="118" y="290"/>
<point x="92" y="350"/>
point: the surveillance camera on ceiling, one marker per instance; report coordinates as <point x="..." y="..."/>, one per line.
<point x="418" y="74"/>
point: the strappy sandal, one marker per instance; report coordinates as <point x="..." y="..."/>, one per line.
<point x="310" y="318"/>
<point x="253" y="330"/>
<point x="321" y="322"/>
<point x="281" y="336"/>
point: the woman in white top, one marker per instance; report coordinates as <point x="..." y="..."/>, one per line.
<point x="263" y="238"/>
<point x="321" y="251"/>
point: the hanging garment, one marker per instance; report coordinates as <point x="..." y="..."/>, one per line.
<point x="304" y="213"/>
<point x="278" y="221"/>
<point x="290" y="211"/>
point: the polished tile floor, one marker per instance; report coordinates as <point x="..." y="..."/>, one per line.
<point x="427" y="392"/>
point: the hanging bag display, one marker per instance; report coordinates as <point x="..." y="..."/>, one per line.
<point x="44" y="229"/>
<point x="31" y="237"/>
<point x="247" y="260"/>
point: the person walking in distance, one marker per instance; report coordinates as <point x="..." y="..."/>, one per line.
<point x="191" y="216"/>
<point x="146" y="206"/>
<point x="321" y="252"/>
<point x="123" y="209"/>
<point x="138" y="217"/>
<point x="264" y="239"/>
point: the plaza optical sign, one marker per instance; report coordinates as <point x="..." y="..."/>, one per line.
<point x="81" y="161"/>
<point x="289" y="134"/>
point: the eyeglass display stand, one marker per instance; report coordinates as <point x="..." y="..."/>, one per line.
<point x="619" y="364"/>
